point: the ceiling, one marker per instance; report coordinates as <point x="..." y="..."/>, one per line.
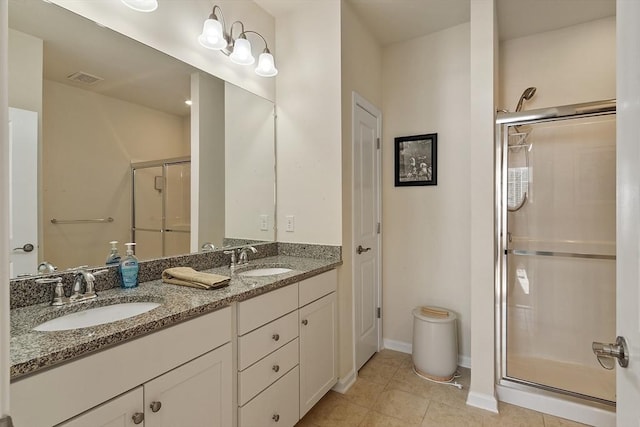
<point x="392" y="21"/>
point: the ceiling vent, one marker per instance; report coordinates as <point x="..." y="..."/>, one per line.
<point x="84" y="78"/>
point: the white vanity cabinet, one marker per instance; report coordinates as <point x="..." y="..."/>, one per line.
<point x="318" y="338"/>
<point x="287" y="351"/>
<point x="268" y="359"/>
<point x="184" y="373"/>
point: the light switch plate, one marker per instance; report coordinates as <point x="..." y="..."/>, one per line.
<point x="264" y="222"/>
<point x="291" y="224"/>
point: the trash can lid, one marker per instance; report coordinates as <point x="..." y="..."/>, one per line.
<point x="434" y="314"/>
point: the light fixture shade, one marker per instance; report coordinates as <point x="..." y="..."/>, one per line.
<point x="212" y="36"/>
<point x="142" y="5"/>
<point x="266" y="65"/>
<point x="242" y="52"/>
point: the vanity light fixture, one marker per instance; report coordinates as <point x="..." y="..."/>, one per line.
<point x="214" y="36"/>
<point x="142" y="5"/>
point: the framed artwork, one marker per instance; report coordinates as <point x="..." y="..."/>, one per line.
<point x="416" y="160"/>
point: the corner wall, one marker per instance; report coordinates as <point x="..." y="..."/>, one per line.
<point x="308" y="124"/>
<point x="362" y="73"/>
<point x="426" y="230"/>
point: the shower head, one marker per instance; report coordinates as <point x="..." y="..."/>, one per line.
<point x="526" y="95"/>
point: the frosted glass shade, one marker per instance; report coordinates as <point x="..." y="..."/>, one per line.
<point x="142" y="5"/>
<point x="212" y="36"/>
<point x="266" y="65"/>
<point x="242" y="52"/>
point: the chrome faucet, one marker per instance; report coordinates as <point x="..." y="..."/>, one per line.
<point x="208" y="246"/>
<point x="243" y="259"/>
<point x="232" y="252"/>
<point x="81" y="274"/>
<point x="58" y="291"/>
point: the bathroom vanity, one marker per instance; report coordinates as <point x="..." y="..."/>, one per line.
<point x="261" y="351"/>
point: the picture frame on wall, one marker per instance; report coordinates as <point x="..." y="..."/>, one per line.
<point x="416" y="160"/>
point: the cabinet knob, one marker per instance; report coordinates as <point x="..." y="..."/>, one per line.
<point x="138" y="417"/>
<point x="276" y="368"/>
<point x="276" y="417"/>
<point x="155" y="406"/>
<point x="276" y="337"/>
<point x="305" y="322"/>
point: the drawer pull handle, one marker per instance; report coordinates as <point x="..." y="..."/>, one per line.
<point x="276" y="368"/>
<point x="276" y="337"/>
<point x="305" y="322"/>
<point x="138" y="417"/>
<point x="155" y="406"/>
<point x="276" y="417"/>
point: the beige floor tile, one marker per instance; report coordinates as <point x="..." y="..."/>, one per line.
<point x="378" y="371"/>
<point x="513" y="416"/>
<point x="449" y="395"/>
<point x="393" y="357"/>
<point x="406" y="380"/>
<point x="441" y="415"/>
<point x="376" y="419"/>
<point x="334" y="410"/>
<point x="400" y="404"/>
<point x="364" y="392"/>
<point x="551" y="421"/>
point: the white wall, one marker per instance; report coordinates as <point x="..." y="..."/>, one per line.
<point x="482" y="190"/>
<point x="362" y="73"/>
<point x="174" y="27"/>
<point x="571" y="65"/>
<point x="308" y="126"/>
<point x="426" y="230"/>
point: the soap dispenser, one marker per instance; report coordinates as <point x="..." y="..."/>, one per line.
<point x="114" y="256"/>
<point x="129" y="268"/>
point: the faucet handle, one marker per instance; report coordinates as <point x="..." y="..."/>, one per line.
<point x="58" y="290"/>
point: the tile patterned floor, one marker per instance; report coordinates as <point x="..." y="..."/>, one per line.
<point x="388" y="394"/>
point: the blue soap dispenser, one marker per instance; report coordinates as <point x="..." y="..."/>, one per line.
<point x="129" y="268"/>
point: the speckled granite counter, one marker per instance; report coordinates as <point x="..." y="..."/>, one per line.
<point x="31" y="350"/>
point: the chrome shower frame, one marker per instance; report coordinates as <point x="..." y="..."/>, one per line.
<point x="503" y="121"/>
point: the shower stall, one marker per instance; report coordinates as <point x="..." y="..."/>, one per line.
<point x="556" y="241"/>
<point x="161" y="207"/>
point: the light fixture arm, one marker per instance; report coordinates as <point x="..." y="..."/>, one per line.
<point x="214" y="16"/>
<point x="266" y="46"/>
<point x="241" y="36"/>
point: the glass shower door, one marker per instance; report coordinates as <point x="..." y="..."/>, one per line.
<point x="559" y="266"/>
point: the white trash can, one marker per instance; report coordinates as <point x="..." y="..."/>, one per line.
<point x="435" y="343"/>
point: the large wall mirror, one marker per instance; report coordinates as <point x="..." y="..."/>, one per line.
<point x="104" y="147"/>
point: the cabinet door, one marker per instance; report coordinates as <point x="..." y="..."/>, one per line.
<point x="118" y="412"/>
<point x="318" y="350"/>
<point x="196" y="394"/>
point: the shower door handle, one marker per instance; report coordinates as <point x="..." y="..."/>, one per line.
<point x="607" y="352"/>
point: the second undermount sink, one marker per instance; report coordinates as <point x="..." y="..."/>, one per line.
<point x="267" y="271"/>
<point x="96" y="316"/>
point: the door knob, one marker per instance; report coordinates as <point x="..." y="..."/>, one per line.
<point x="27" y="247"/>
<point x="360" y="249"/>
<point x="155" y="406"/>
<point x="606" y="353"/>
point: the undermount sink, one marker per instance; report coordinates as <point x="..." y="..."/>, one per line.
<point x="96" y="316"/>
<point x="268" y="271"/>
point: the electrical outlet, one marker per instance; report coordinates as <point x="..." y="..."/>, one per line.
<point x="264" y="222"/>
<point x="291" y="224"/>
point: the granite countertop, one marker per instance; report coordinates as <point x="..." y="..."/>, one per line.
<point x="32" y="350"/>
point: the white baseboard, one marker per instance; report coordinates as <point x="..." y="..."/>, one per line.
<point x="558" y="407"/>
<point x="344" y="384"/>
<point x="483" y="401"/>
<point x="406" y="347"/>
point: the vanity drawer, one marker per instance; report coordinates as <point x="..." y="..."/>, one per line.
<point x="318" y="286"/>
<point x="262" y="374"/>
<point x="270" y="337"/>
<point x="276" y="406"/>
<point x="262" y="309"/>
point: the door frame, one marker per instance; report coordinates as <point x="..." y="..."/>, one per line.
<point x="358" y="100"/>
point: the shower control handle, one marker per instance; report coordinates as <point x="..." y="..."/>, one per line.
<point x="605" y="352"/>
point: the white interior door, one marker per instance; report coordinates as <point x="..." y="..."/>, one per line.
<point x="628" y="210"/>
<point x="366" y="228"/>
<point x="23" y="192"/>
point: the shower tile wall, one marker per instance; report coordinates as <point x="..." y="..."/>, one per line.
<point x="556" y="306"/>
